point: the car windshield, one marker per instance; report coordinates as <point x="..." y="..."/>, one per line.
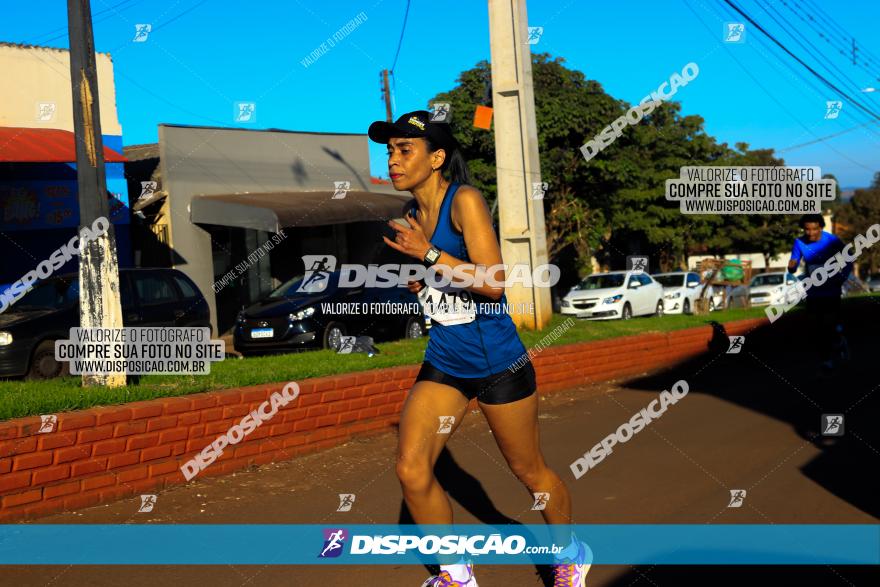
<point x="670" y="280"/>
<point x="50" y="295"/>
<point x="602" y="281"/>
<point x="313" y="282"/>
<point x="775" y="279"/>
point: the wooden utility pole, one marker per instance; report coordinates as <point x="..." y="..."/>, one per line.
<point x="99" y="302"/>
<point x="518" y="167"/>
<point x="386" y="93"/>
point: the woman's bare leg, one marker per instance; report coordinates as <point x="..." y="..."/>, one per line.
<point x="420" y="444"/>
<point x="515" y="427"/>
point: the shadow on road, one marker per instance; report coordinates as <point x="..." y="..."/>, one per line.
<point x="777" y="373"/>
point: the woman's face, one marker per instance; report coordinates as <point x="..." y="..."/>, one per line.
<point x="410" y="163"/>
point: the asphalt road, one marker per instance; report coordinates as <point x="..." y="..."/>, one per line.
<point x="750" y="422"/>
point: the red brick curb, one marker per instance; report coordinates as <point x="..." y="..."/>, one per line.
<point x="106" y="453"/>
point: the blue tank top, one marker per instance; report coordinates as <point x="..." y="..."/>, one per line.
<point x="489" y="344"/>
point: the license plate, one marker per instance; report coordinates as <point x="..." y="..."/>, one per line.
<point x="262" y="333"/>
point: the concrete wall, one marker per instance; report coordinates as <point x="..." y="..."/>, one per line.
<point x="36" y="74"/>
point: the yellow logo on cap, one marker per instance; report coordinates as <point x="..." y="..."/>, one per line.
<point x="416" y="122"/>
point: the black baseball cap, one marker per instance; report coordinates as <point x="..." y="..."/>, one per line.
<point x="413" y="124"/>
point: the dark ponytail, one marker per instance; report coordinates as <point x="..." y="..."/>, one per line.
<point x="457" y="168"/>
<point x="454" y="168"/>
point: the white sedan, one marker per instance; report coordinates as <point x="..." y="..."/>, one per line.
<point x="681" y="291"/>
<point x="771" y="288"/>
<point x="617" y="294"/>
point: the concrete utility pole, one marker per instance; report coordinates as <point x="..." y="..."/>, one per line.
<point x="99" y="305"/>
<point x="521" y="218"/>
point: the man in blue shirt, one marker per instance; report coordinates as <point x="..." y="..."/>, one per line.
<point x="815" y="248"/>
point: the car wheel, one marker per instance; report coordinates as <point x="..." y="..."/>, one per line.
<point x="627" y="311"/>
<point x="686" y="308"/>
<point x="333" y="333"/>
<point x="659" y="311"/>
<point x="415" y="327"/>
<point x="44" y="365"/>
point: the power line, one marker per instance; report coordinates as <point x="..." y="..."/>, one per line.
<point x="841" y="31"/>
<point x="843" y="49"/>
<point x="400" y="41"/>
<point x="185" y="12"/>
<point x="821" y="139"/>
<point x="116" y="13"/>
<point x="800" y="75"/>
<point x="807" y="80"/>
<point x="769" y="93"/>
<point x="795" y="72"/>
<point x="801" y="61"/>
<point x="38" y="40"/>
<point x="822" y="59"/>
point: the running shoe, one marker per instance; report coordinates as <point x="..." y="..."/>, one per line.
<point x="573" y="572"/>
<point x="445" y="580"/>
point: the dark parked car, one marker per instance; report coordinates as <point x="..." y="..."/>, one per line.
<point x="30" y="327"/>
<point x="289" y="319"/>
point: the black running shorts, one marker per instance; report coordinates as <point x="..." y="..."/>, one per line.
<point x="499" y="388"/>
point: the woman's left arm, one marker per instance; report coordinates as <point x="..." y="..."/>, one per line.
<point x="470" y="209"/>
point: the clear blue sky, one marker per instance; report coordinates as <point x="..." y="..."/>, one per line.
<point x="204" y="55"/>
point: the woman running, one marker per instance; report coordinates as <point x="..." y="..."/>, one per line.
<point x="470" y="353"/>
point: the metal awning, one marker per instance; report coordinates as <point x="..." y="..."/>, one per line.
<point x="273" y="211"/>
<point x="43" y="145"/>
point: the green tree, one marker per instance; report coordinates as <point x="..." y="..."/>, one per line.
<point x="614" y="205"/>
<point x="565" y="103"/>
<point x="855" y="217"/>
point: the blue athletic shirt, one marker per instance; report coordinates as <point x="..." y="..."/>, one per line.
<point x="489" y="344"/>
<point x="815" y="254"/>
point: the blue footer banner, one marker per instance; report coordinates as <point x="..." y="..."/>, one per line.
<point x="353" y="544"/>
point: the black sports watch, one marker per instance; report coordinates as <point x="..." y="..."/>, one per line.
<point x="432" y="256"/>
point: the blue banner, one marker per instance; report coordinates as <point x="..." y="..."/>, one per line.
<point x="288" y="544"/>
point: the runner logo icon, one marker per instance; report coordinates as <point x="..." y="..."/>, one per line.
<point x="832" y="109"/>
<point x="334" y="540"/>
<point x="539" y="189"/>
<point x="346" y="500"/>
<point x="318" y="270"/>
<point x="734" y="32"/>
<point x="832" y="424"/>
<point x="737" y="496"/>
<point x="446" y="424"/>
<point x="340" y="189"/>
<point x="47" y="424"/>
<point x="440" y="112"/>
<point x="148" y="502"/>
<point x="736" y="344"/>
<point x="637" y="264"/>
<point x="541" y="500"/>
